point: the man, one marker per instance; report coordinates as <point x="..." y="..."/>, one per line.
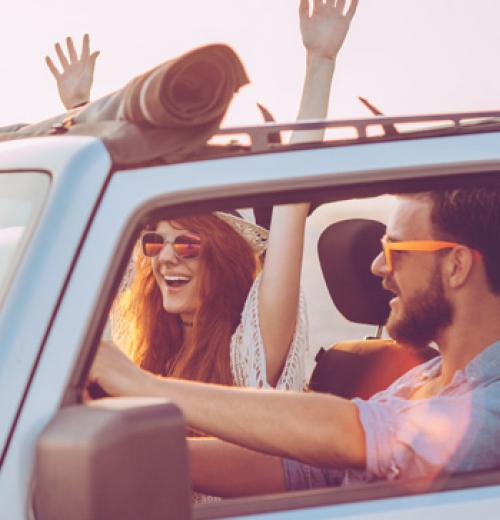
<point x="441" y="259"/>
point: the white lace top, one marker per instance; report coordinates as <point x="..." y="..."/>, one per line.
<point x="248" y="358"/>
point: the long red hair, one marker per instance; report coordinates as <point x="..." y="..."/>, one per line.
<point x="154" y="338"/>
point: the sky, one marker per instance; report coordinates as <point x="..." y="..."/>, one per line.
<point x="405" y="56"/>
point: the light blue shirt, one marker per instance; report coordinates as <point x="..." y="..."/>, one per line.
<point x="454" y="431"/>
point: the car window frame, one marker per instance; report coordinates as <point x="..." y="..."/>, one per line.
<point x="28" y="232"/>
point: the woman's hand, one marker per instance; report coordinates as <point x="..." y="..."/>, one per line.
<point x="75" y="80"/>
<point x="115" y="373"/>
<point x="324" y="32"/>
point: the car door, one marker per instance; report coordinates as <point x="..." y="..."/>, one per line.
<point x="62" y="181"/>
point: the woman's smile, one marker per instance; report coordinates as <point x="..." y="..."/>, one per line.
<point x="176" y="281"/>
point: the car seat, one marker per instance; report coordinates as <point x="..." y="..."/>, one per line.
<point x="359" y="368"/>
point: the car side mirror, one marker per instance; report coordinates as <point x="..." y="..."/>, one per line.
<point x="113" y="458"/>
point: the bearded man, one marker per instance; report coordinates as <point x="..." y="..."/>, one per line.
<point x="441" y="259"/>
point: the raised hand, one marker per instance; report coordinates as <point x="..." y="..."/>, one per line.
<point x="75" y="80"/>
<point x="324" y="31"/>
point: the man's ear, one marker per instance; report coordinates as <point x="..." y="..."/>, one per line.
<point x="458" y="266"/>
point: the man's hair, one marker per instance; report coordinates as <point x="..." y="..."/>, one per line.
<point x="471" y="216"/>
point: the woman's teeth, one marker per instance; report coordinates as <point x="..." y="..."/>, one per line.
<point x="176" y="281"/>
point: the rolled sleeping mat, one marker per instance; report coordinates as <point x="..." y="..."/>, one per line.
<point x="168" y="112"/>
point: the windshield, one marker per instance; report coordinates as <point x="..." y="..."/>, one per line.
<point x="21" y="198"/>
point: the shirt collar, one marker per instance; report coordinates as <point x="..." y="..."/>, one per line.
<point x="486" y="365"/>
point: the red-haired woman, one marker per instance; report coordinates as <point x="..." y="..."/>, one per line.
<point x="196" y="299"/>
<point x="198" y="308"/>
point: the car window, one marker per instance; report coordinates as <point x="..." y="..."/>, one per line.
<point x="21" y="197"/>
<point x="326" y="323"/>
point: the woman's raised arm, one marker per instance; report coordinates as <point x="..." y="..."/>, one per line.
<point x="323" y="33"/>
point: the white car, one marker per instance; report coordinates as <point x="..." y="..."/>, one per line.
<point x="69" y="218"/>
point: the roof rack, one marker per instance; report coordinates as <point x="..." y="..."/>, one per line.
<point x="263" y="137"/>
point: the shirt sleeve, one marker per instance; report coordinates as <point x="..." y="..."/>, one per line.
<point x="247" y="354"/>
<point x="419" y="438"/>
<point x="299" y="476"/>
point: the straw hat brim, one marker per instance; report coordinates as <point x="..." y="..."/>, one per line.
<point x="256" y="236"/>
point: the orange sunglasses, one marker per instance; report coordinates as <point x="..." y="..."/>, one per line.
<point x="426" y="246"/>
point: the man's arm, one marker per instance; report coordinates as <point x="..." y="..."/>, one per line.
<point x="322" y="430"/>
<point x="245" y="472"/>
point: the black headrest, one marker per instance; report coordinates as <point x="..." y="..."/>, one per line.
<point x="346" y="250"/>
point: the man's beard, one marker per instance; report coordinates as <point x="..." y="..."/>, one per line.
<point x="424" y="315"/>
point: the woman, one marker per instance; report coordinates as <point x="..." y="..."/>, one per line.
<point x="207" y="341"/>
<point x="268" y="345"/>
<point x="192" y="309"/>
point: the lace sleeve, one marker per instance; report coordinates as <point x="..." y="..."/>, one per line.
<point x="248" y="359"/>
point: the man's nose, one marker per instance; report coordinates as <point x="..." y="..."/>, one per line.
<point x="379" y="265"/>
